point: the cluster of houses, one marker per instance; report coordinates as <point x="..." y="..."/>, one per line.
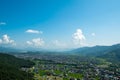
<point x="65" y="65"/>
<point x="88" y="71"/>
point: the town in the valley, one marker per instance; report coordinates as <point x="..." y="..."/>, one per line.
<point x="71" y="67"/>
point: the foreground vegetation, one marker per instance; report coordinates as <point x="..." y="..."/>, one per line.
<point x="10" y="68"/>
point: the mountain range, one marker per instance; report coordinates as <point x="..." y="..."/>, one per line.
<point x="95" y="50"/>
<point x="112" y="51"/>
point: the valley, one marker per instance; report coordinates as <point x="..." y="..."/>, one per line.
<point x="67" y="65"/>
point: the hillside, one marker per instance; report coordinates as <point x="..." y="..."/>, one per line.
<point x="112" y="56"/>
<point x="10" y="68"/>
<point x="96" y="50"/>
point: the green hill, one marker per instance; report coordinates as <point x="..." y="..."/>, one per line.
<point x="113" y="55"/>
<point x="96" y="50"/>
<point x="10" y="68"/>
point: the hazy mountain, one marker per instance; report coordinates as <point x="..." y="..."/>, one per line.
<point x="96" y="50"/>
<point x="113" y="55"/>
<point x="8" y="49"/>
<point x="89" y="51"/>
<point x="14" y="50"/>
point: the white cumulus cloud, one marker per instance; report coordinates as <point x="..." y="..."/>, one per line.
<point x="2" y="23"/>
<point x="56" y="45"/>
<point x="34" y="31"/>
<point x="6" y="40"/>
<point x="0" y="41"/>
<point x="93" y="34"/>
<point x="29" y="42"/>
<point x="78" y="37"/>
<point x="37" y="42"/>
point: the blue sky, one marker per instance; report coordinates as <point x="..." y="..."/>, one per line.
<point x="59" y="24"/>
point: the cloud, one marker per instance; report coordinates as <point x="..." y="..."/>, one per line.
<point x="56" y="45"/>
<point x="78" y="37"/>
<point x="2" y="23"/>
<point x="59" y="44"/>
<point x="37" y="42"/>
<point x="93" y="34"/>
<point x="29" y="43"/>
<point x="0" y="41"/>
<point x="34" y="31"/>
<point x="6" y="40"/>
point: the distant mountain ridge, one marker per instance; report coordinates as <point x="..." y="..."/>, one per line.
<point x="8" y="49"/>
<point x="87" y="51"/>
<point x="110" y="53"/>
<point x="113" y="55"/>
<point x="96" y="50"/>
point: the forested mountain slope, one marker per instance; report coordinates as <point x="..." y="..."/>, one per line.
<point x="10" y="68"/>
